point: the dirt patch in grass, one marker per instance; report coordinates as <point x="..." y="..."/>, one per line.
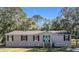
<point x="14" y="49"/>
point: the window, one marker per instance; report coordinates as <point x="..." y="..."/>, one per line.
<point x="36" y="38"/>
<point x="10" y="37"/>
<point x="66" y="37"/>
<point x="7" y="37"/>
<point x="23" y="38"/>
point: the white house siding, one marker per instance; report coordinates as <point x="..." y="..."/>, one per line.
<point x="55" y="38"/>
<point x="34" y="43"/>
<point x="58" y="40"/>
<point x="18" y="43"/>
<point x="15" y="42"/>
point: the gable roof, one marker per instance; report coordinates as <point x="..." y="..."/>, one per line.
<point x="34" y="32"/>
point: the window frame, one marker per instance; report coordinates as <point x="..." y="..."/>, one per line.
<point x="67" y="37"/>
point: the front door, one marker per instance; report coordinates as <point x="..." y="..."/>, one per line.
<point x="46" y="40"/>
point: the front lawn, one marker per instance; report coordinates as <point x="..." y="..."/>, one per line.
<point x="48" y="50"/>
<point x="32" y="49"/>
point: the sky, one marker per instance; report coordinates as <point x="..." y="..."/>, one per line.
<point x="46" y="12"/>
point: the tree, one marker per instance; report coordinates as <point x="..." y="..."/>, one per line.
<point x="9" y="17"/>
<point x="45" y="27"/>
<point x="38" y="20"/>
<point x="72" y="15"/>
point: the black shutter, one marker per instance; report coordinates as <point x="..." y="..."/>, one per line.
<point x="33" y="38"/>
<point x="38" y="37"/>
<point x="21" y="38"/>
<point x="43" y="39"/>
<point x="68" y="37"/>
<point x="64" y="37"/>
<point x="12" y="37"/>
<point x="26" y="37"/>
<point x="49" y="40"/>
<point x="7" y="37"/>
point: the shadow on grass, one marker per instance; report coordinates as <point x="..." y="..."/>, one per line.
<point x="47" y="50"/>
<point x="37" y="50"/>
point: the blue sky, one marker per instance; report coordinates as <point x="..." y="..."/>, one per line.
<point x="47" y="12"/>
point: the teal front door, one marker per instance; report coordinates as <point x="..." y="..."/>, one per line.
<point x="46" y="40"/>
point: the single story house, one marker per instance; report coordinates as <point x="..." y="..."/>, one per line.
<point x="38" y="38"/>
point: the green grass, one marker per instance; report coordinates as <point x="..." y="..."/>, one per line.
<point x="32" y="49"/>
<point x="48" y="50"/>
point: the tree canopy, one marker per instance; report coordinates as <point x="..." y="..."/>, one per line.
<point x="13" y="18"/>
